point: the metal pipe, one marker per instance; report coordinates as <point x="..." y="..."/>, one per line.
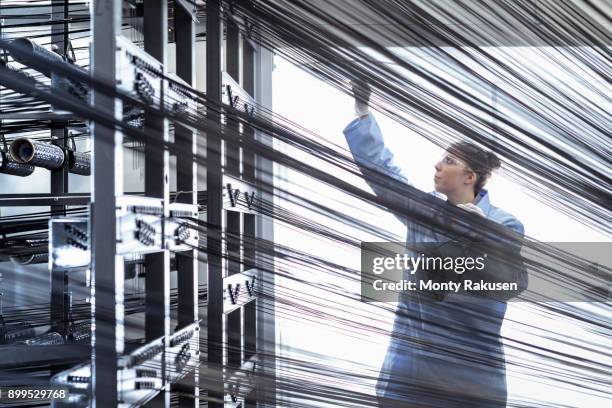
<point x="27" y="50"/>
<point x="10" y="166"/>
<point x="38" y="154"/>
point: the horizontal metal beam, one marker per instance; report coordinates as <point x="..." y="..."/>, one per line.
<point x="32" y="200"/>
<point x="22" y="355"/>
<point x="40" y="116"/>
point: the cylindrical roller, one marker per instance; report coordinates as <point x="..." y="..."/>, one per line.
<point x="79" y="163"/>
<point x="10" y="166"/>
<point x="25" y="252"/>
<point x="46" y="339"/>
<point x="29" y="259"/>
<point x="27" y="50"/>
<point x="38" y="154"/>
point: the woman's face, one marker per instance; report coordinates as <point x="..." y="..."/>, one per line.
<point x="453" y="175"/>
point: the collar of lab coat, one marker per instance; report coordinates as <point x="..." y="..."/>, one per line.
<point x="482" y="201"/>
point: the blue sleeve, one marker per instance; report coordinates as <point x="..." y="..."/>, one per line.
<point x="514" y="224"/>
<point x="368" y="147"/>
<point x="366" y="143"/>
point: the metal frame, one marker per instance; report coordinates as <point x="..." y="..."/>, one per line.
<point x="58" y="199"/>
<point x="60" y="302"/>
<point x="244" y="69"/>
<point x="107" y="183"/>
<point x="214" y="206"/>
<point x="107" y="13"/>
<point x="244" y="329"/>
<point x="187" y="181"/>
<point x="267" y="343"/>
<point x="157" y="265"/>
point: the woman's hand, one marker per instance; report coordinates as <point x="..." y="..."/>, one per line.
<point x="361" y="93"/>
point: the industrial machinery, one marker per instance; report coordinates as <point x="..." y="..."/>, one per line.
<point x="107" y="236"/>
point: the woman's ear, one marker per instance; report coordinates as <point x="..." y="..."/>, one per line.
<point x="470" y="178"/>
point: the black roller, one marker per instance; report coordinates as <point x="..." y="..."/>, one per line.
<point x="10" y="166"/>
<point x="39" y="154"/>
<point x="79" y="163"/>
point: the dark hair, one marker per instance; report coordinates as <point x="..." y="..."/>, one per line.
<point x="482" y="162"/>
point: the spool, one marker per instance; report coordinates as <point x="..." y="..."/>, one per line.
<point x="37" y="154"/>
<point x="79" y="163"/>
<point x="10" y="166"/>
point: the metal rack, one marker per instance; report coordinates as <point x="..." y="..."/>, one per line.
<point x="235" y="68"/>
<point x="107" y="276"/>
<point x="236" y="333"/>
<point x="56" y="356"/>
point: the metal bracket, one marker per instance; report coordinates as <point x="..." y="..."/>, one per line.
<point x="234" y="195"/>
<point x="233" y="292"/>
<point x="73" y="144"/>
<point x="250" y="285"/>
<point x="233" y="93"/>
<point x="233" y="100"/>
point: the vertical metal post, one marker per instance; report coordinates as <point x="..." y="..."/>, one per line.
<point x="248" y="237"/>
<point x="232" y="241"/>
<point x="187" y="182"/>
<point x="248" y="84"/>
<point x="156" y="177"/>
<point x="248" y="68"/>
<point x="59" y="177"/>
<point x="233" y="327"/>
<point x="250" y="309"/>
<point x="250" y="329"/>
<point x="107" y="183"/>
<point x="266" y="329"/>
<point x="232" y="51"/>
<point x="59" y="301"/>
<point x="232" y="67"/>
<point x="234" y="338"/>
<point x="59" y="132"/>
<point x="214" y="206"/>
<point x="157" y="265"/>
<point x="186" y="167"/>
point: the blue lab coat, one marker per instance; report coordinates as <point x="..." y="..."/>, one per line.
<point x="441" y="354"/>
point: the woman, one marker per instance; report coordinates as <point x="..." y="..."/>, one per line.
<point x="441" y="354"/>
